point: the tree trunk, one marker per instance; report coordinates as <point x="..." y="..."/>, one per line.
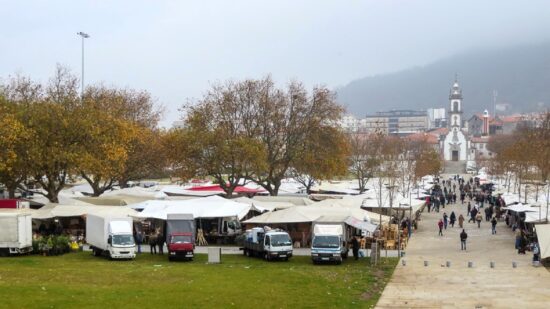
<point x="123" y="183"/>
<point x="11" y="190"/>
<point x="11" y="193"/>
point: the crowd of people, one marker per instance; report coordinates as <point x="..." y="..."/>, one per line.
<point x="155" y="239"/>
<point x="481" y="205"/>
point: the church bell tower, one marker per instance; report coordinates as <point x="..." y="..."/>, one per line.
<point x="455" y="111"/>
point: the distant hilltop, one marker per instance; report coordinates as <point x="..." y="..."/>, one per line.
<point x="519" y="74"/>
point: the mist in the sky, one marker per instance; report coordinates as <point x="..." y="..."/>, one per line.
<point x="176" y="49"/>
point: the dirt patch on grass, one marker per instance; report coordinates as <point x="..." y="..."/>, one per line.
<point x="367" y="295"/>
<point x="379" y="274"/>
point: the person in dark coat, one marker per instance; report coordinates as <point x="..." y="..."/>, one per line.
<point x="473" y="214"/>
<point x="160" y="242"/>
<point x="463" y="237"/>
<point x="153" y="243"/>
<point x="494" y="225"/>
<point x="138" y="237"/>
<point x="355" y="247"/>
<point x="452" y="219"/>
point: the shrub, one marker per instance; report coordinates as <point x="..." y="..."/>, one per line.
<point x="52" y="245"/>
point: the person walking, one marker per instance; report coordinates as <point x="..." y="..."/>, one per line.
<point x="452" y="219"/>
<point x="488" y="214"/>
<point x="463" y="237"/>
<point x="460" y="220"/>
<point x="479" y="217"/>
<point x="469" y="207"/>
<point x="355" y="248"/>
<point x="473" y="213"/>
<point x="494" y="225"/>
<point x="445" y="219"/>
<point x="440" y="225"/>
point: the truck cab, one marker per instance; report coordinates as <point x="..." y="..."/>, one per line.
<point x="327" y="248"/>
<point x="181" y="245"/>
<point x="328" y="243"/>
<point x="120" y="245"/>
<point x="180" y="236"/>
<point x="231" y="226"/>
<point x="278" y="245"/>
<point x="270" y="244"/>
<point x="112" y="237"/>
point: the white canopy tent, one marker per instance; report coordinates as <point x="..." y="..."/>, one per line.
<point x="341" y="187"/>
<point x="208" y="207"/>
<point x="521" y="208"/>
<point x="543" y="235"/>
<point x="296" y="200"/>
<point x="59" y="210"/>
<point x="263" y="206"/>
<point x="306" y="214"/>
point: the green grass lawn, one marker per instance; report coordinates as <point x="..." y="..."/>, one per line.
<point x="81" y="280"/>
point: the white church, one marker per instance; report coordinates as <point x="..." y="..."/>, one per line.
<point x="456" y="144"/>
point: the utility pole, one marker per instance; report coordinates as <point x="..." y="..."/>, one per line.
<point x="84" y="36"/>
<point x="495" y="94"/>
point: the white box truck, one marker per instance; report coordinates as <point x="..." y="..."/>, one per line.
<point x="111" y="236"/>
<point x="327" y="244"/>
<point x="268" y="243"/>
<point x="15" y="233"/>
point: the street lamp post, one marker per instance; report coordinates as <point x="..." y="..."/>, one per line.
<point x="84" y="36"/>
<point x="547" y="198"/>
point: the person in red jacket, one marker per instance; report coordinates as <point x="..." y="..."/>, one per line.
<point x="440" y="225"/>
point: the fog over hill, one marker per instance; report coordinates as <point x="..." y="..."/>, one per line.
<point x="520" y="74"/>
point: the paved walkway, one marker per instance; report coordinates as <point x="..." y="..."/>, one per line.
<point x="457" y="286"/>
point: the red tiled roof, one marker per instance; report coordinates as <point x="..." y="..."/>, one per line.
<point x="510" y="119"/>
<point x="482" y="139"/>
<point x="429" y="137"/>
<point x="439" y="131"/>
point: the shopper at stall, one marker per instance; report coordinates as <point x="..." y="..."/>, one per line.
<point x="160" y="242"/>
<point x="153" y="243"/>
<point x="355" y="247"/>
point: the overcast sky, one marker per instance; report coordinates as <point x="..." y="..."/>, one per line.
<point x="176" y="49"/>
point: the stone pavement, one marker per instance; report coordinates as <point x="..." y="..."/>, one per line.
<point x="457" y="286"/>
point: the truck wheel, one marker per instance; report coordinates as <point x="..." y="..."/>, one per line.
<point x="338" y="262"/>
<point x="286" y="259"/>
<point x="266" y="256"/>
<point x="170" y="259"/>
<point x="4" y="252"/>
